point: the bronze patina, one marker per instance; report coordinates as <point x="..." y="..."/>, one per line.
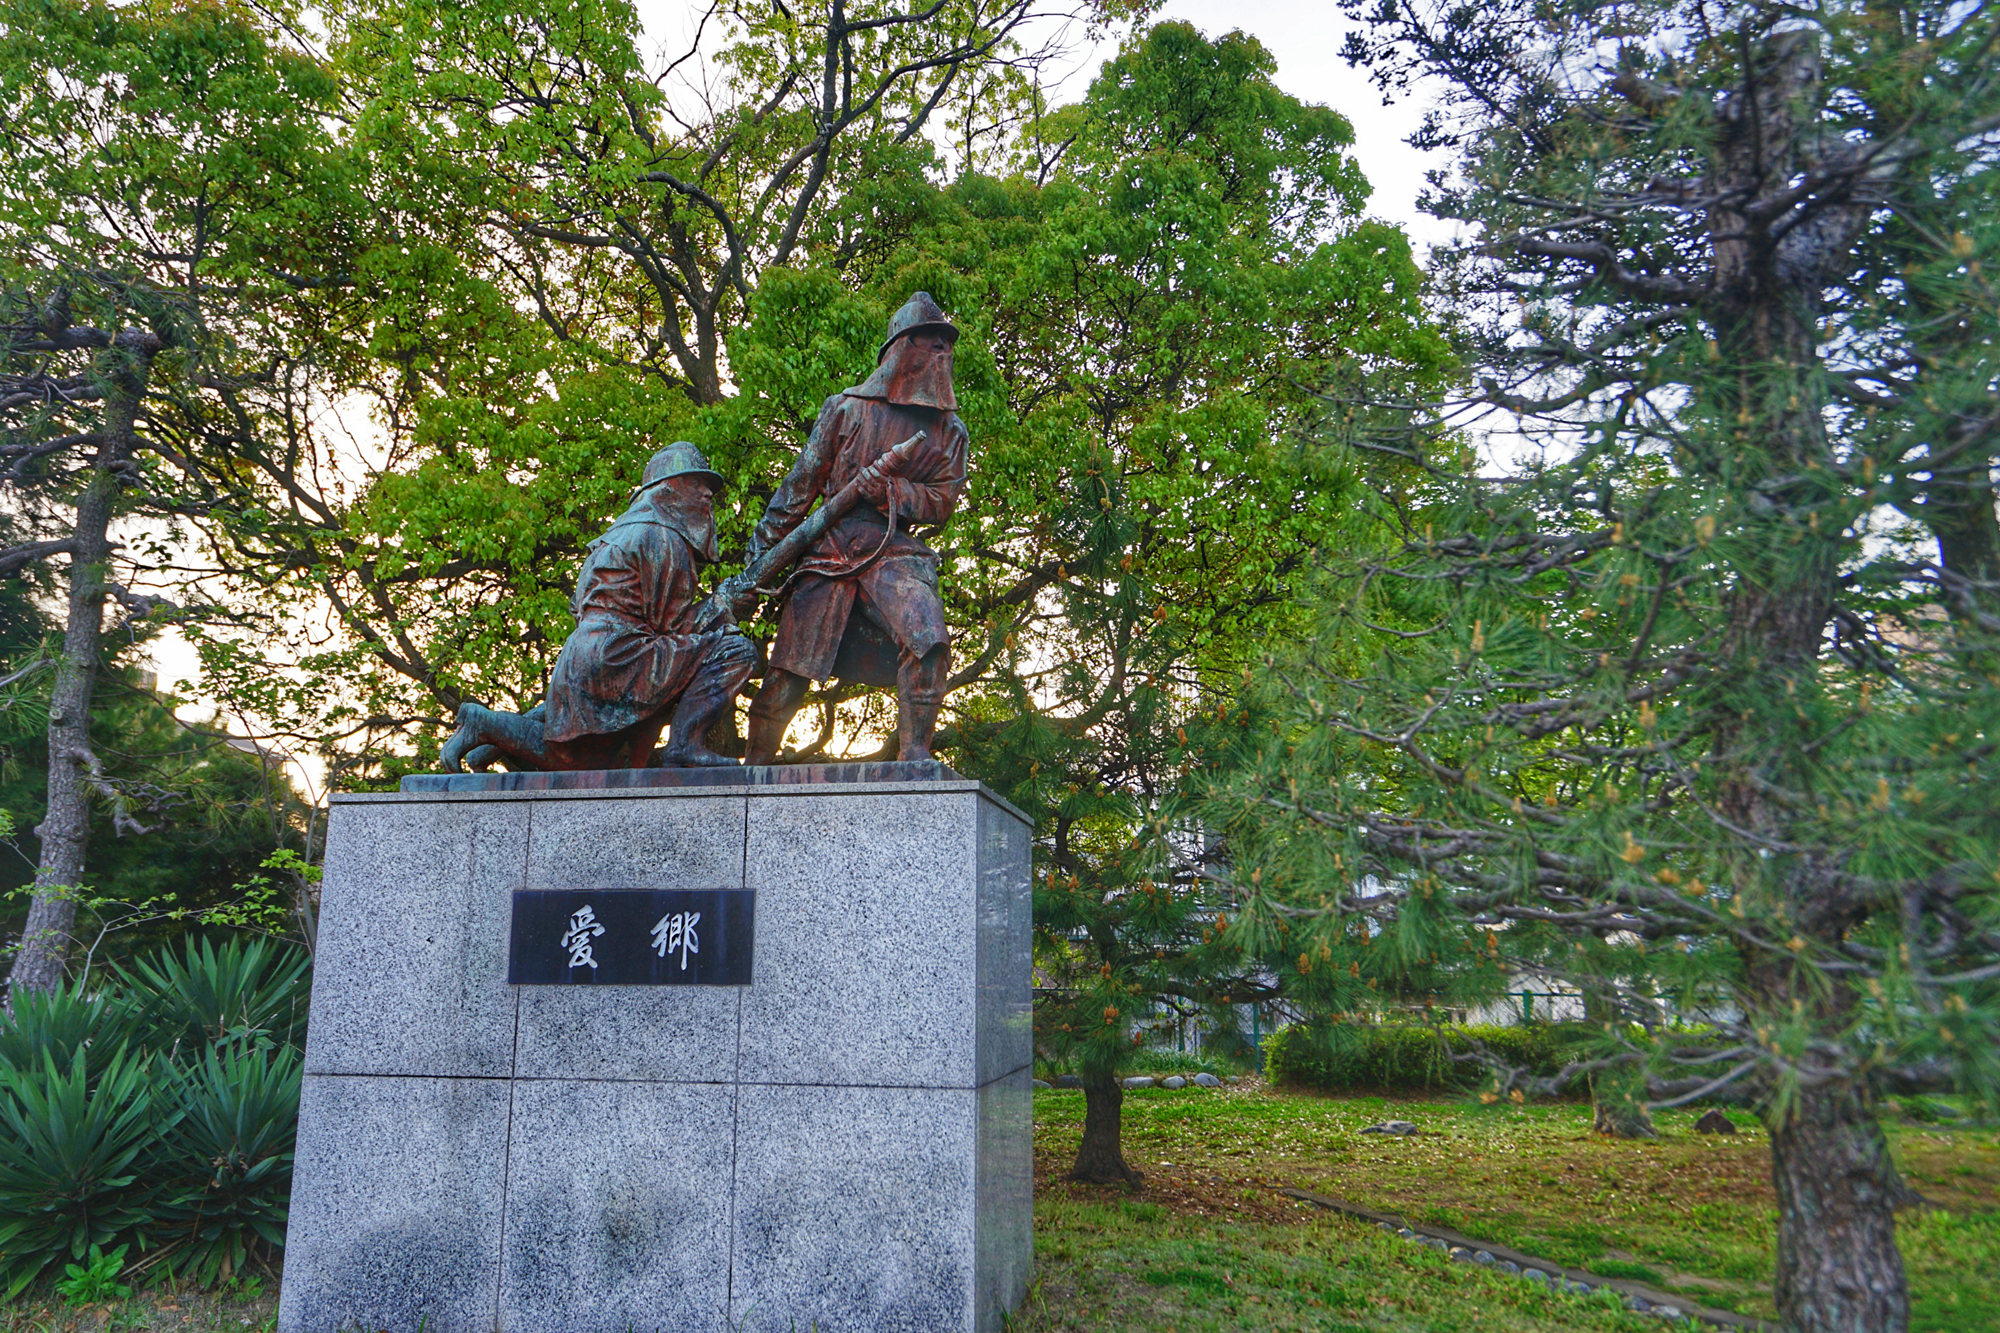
<point x="645" y="655"/>
<point x="862" y="602"/>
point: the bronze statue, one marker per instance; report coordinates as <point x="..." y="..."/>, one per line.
<point x="638" y="660"/>
<point x="863" y="602"/>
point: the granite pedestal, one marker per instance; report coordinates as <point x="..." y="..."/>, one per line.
<point x="843" y="1144"/>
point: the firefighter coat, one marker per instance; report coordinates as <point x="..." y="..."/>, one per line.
<point x="635" y="648"/>
<point x="869" y="566"/>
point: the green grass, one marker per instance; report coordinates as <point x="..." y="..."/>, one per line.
<point x="251" y="1307"/>
<point x="1207" y="1243"/>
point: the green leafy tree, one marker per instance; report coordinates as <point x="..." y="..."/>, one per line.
<point x="1141" y="501"/>
<point x="566" y="246"/>
<point x="1693" y="706"/>
<point x="162" y="168"/>
<point x="1138" y="504"/>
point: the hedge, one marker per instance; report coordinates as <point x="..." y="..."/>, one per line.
<point x="1343" y="1057"/>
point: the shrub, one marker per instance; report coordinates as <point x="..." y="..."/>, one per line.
<point x="229" y="1161"/>
<point x="157" y="1114"/>
<point x="203" y="994"/>
<point x="57" y="1024"/>
<point x="1339" y="1057"/>
<point x="75" y="1159"/>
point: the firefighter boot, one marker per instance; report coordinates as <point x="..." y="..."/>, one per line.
<point x="724" y="668"/>
<point x="919" y="696"/>
<point x="771" y="712"/>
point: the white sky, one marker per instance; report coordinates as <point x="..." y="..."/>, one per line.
<point x="1305" y="37"/>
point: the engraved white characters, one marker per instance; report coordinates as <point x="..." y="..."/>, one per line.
<point x="674" y="931"/>
<point x="583" y="928"/>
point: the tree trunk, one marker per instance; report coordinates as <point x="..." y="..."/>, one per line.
<point x="1101" y="1159"/>
<point x="1618" y="1094"/>
<point x="1618" y="1097"/>
<point x="1838" y="1267"/>
<point x="64" y="832"/>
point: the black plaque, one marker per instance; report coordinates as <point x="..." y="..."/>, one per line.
<point x="631" y="937"/>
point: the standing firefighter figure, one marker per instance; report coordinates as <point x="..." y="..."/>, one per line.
<point x="863" y="602"/>
<point x="637" y="659"/>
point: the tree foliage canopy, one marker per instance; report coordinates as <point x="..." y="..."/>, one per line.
<point x="1692" y="709"/>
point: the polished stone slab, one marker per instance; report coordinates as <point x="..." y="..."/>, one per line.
<point x="624" y="779"/>
<point x="613" y="1217"/>
<point x="868" y="920"/>
<point x="815" y="1251"/>
<point x="411" y="971"/>
<point x="628" y="1158"/>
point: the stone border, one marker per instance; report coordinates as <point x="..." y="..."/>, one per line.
<point x="1638" y="1296"/>
<point x="642" y="779"/>
<point x="751" y="791"/>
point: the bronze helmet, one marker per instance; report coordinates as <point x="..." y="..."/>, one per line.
<point x="919" y="312"/>
<point x="678" y="459"/>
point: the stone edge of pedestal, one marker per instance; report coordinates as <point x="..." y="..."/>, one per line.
<point x="937" y="786"/>
<point x="728" y="775"/>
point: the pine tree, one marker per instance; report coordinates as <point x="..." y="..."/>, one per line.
<point x="163" y="177"/>
<point x="1692" y="703"/>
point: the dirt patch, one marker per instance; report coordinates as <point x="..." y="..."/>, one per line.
<point x="152" y="1311"/>
<point x="1194" y="1193"/>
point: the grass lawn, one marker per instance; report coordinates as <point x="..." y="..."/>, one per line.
<point x="1208" y="1244"/>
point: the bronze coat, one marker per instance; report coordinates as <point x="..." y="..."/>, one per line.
<point x="862" y="548"/>
<point x="634" y="649"/>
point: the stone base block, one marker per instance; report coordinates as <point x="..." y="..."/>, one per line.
<point x="843" y="1144"/>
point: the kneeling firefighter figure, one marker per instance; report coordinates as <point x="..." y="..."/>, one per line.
<point x="862" y="604"/>
<point x="642" y="657"/>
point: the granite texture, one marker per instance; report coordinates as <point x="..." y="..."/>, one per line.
<point x="395" y="1216"/>
<point x="1003" y="1224"/>
<point x="669" y="1033"/>
<point x="411" y="973"/>
<point x="614" y="1221"/>
<point x="846" y="1140"/>
<point x="687" y="842"/>
<point x="867" y="922"/>
<point x="814" y="1251"/>
<point x="1005" y="915"/>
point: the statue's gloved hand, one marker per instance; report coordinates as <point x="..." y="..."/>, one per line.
<point x="740" y="591"/>
<point x="716" y="611"/>
<point x="873" y="486"/>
